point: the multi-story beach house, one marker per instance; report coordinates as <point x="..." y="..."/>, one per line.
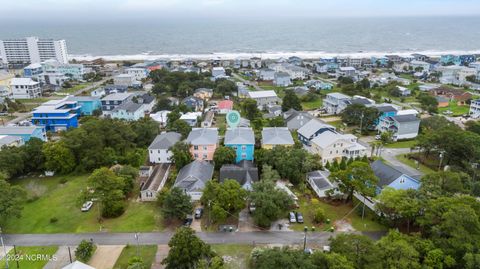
<point x="242" y="140"/>
<point x="203" y="143"/>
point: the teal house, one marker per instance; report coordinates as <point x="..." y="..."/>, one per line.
<point x="87" y="104"/>
<point x="242" y="140"/>
<point x="25" y="132"/>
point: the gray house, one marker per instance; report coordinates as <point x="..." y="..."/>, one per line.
<point x="334" y="102"/>
<point x="193" y="177"/>
<point x="282" y="79"/>
<point x="267" y="74"/>
<point x="264" y="98"/>
<point x="402" y="126"/>
<point x="276" y="136"/>
<point x="313" y="128"/>
<point x="296" y="119"/>
<point x="245" y="173"/>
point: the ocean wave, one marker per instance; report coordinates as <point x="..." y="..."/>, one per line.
<point x="264" y="55"/>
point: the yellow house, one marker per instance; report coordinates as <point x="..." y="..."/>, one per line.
<point x="276" y="136"/>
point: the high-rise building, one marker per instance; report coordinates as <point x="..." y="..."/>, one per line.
<point x="30" y="50"/>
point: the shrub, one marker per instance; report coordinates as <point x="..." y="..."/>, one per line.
<point x="84" y="251"/>
<point x="63" y="180"/>
<point x="53" y="220"/>
<point x="319" y="216"/>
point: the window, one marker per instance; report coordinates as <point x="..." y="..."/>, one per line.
<point x="244" y="147"/>
<point x="204" y="156"/>
<point x="195" y="147"/>
<point x="244" y="156"/>
<point x="195" y="155"/>
<point x="204" y="147"/>
<point x="234" y="147"/>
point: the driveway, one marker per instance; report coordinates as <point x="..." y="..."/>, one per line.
<point x="389" y="154"/>
<point x="106" y="256"/>
<point x="245" y="222"/>
<point x="63" y="258"/>
<point x="162" y="253"/>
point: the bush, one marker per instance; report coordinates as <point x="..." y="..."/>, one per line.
<point x="319" y="216"/>
<point x="84" y="251"/>
<point x="53" y="220"/>
<point x="136" y="263"/>
<point x="63" y="180"/>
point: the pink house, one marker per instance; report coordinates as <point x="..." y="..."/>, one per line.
<point x="225" y="106"/>
<point x="203" y="143"/>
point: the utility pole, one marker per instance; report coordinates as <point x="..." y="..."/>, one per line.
<point x="138" y="246"/>
<point x="4" y="249"/>
<point x="305" y="229"/>
<point x="441" y="160"/>
<point x="361" y="123"/>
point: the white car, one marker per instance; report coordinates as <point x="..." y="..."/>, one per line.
<point x="87" y="206"/>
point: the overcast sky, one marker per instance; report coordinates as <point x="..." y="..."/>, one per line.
<point x="152" y="9"/>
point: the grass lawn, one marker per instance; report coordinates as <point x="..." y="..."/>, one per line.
<point x="312" y="105"/>
<point x="221" y="124"/>
<point x="75" y="88"/>
<point x="455" y="109"/>
<point x="27" y="257"/>
<point x="53" y="208"/>
<point x="422" y="168"/>
<point x="333" y="212"/>
<point x="238" y="255"/>
<point x="147" y="253"/>
<point x="402" y="144"/>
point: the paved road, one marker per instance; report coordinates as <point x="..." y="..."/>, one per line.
<point x="389" y="154"/>
<point x="287" y="238"/>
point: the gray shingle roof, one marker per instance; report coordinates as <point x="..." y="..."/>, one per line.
<point x="194" y="176"/>
<point x="203" y="136"/>
<point x="385" y="173"/>
<point x="296" y="119"/>
<point x="239" y="135"/>
<point x="17" y="130"/>
<point x="385" y="109"/>
<point x="312" y="127"/>
<point x="277" y="136"/>
<point x="245" y="173"/>
<point x="405" y="118"/>
<point x="165" y="140"/>
<point x="129" y="107"/>
<point x="320" y="179"/>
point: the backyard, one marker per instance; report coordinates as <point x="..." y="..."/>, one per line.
<point x="455" y="109"/>
<point x="235" y="256"/>
<point x="312" y="105"/>
<point x="28" y="259"/>
<point x="52" y="207"/>
<point x="334" y="212"/>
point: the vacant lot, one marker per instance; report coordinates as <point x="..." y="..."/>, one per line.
<point x="235" y="256"/>
<point x="53" y="207"/>
<point x="147" y="253"/>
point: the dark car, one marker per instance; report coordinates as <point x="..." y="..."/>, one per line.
<point x="198" y="213"/>
<point x="299" y="217"/>
<point x="188" y="221"/>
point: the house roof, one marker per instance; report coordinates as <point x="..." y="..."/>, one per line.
<point x="23" y="81"/>
<point x="282" y="75"/>
<point x="203" y="136"/>
<point x="405" y="118"/>
<point x="338" y="95"/>
<point x="261" y="94"/>
<point x="194" y="175"/>
<point x="327" y="138"/>
<point x="117" y="96"/>
<point x="129" y="107"/>
<point x="239" y="135"/>
<point x="362" y="101"/>
<point x="385" y="173"/>
<point x="312" y="127"/>
<point x="383" y="108"/>
<point x="277" y="136"/>
<point x="146" y="98"/>
<point x="8" y="139"/>
<point x="245" y="173"/>
<point x="83" y="98"/>
<point x="165" y="140"/>
<point x="320" y="179"/>
<point x="225" y="104"/>
<point x="78" y="265"/>
<point x="18" y="130"/>
<point x="203" y="90"/>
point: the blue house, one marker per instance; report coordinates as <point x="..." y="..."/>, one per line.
<point x="393" y="178"/>
<point x="312" y="129"/>
<point x="386" y="111"/>
<point x="25" y="132"/>
<point x="242" y="140"/>
<point x="33" y="70"/>
<point x="88" y="104"/>
<point x="57" y="115"/>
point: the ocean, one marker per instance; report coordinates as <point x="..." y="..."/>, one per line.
<point x="269" y="38"/>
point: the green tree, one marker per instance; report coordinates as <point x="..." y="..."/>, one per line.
<point x="358" y="114"/>
<point x="399" y="206"/>
<point x="176" y="204"/>
<point x="181" y="154"/>
<point x="180" y="126"/>
<point x="11" y="200"/>
<point x="428" y="102"/>
<point x="146" y="130"/>
<point x="445" y="183"/>
<point x="331" y="261"/>
<point x="358" y="249"/>
<point x="109" y="191"/>
<point x="291" y="101"/>
<point x="224" y="155"/>
<point x="397" y="252"/>
<point x="186" y="250"/>
<point x="276" y="122"/>
<point x="270" y="203"/>
<point x="12" y="161"/>
<point x="250" y="109"/>
<point x="280" y="258"/>
<point x="84" y="251"/>
<point x="357" y="177"/>
<point x="58" y="157"/>
<point x="269" y="174"/>
<point x="228" y="196"/>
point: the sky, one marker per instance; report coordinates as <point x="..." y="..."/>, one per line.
<point x="48" y="10"/>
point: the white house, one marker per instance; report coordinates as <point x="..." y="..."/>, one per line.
<point x="267" y="74"/>
<point x="218" y="72"/>
<point x="124" y="80"/>
<point x="332" y="146"/>
<point x="420" y="64"/>
<point x="137" y="73"/>
<point x="159" y="149"/>
<point x="264" y="98"/>
<point x="282" y="79"/>
<point x="320" y="183"/>
<point x="404" y="91"/>
<point x="25" y="88"/>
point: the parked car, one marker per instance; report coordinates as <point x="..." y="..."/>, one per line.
<point x="198" y="213"/>
<point x="292" y="217"/>
<point x="188" y="221"/>
<point x="87" y="206"/>
<point x="299" y="217"/>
